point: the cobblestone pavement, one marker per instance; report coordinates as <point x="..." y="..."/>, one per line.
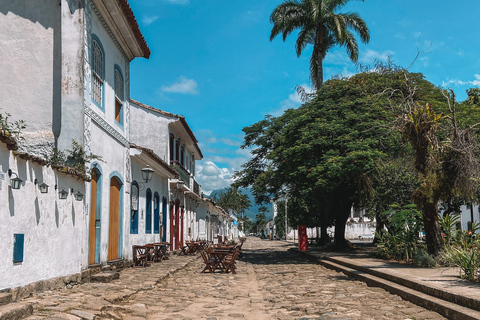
<point x="270" y="283"/>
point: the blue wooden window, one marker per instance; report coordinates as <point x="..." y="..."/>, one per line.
<point x="134" y="208"/>
<point x="98" y="71"/>
<point x="119" y="95"/>
<point x="156" y="213"/>
<point x="164" y="219"/>
<point x="148" y="212"/>
<point x="18" y="244"/>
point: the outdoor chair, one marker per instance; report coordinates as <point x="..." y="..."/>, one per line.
<point x="139" y="256"/>
<point x="229" y="262"/>
<point x="210" y="263"/>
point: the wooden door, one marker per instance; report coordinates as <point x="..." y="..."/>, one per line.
<point x="93" y="218"/>
<point x="113" y="227"/>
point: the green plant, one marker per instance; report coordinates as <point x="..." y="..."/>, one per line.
<point x="468" y="260"/>
<point x="76" y="157"/>
<point x="400" y="241"/>
<point x="11" y="128"/>
<point x="422" y="259"/>
<point x="447" y="225"/>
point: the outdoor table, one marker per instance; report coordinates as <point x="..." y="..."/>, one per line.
<point x="219" y="256"/>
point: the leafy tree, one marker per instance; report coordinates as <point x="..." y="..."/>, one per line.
<point x="232" y="199"/>
<point x="319" y="25"/>
<point x="445" y="158"/>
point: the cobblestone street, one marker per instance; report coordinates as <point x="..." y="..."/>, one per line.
<point x="270" y="283"/>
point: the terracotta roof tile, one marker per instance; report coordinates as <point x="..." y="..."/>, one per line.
<point x="127" y="11"/>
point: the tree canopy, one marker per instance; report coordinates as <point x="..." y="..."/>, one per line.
<point x="321" y="26"/>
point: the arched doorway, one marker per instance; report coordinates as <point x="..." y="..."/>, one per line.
<point x="115" y="217"/>
<point x="95" y="217"/>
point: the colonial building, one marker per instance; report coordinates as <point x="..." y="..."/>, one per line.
<point x="65" y="72"/>
<point x="171" y="140"/>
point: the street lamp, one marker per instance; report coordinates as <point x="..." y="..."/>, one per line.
<point x="147" y="174"/>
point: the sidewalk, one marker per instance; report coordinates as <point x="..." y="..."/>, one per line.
<point x="438" y="289"/>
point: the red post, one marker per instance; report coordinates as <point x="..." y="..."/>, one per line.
<point x="302" y="238"/>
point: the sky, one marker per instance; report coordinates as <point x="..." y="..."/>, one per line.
<point x="212" y="62"/>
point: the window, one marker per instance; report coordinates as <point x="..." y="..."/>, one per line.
<point x="18" y="243"/>
<point x="134" y="208"/>
<point x="182" y="155"/>
<point x="177" y="143"/>
<point x="193" y="164"/>
<point x="119" y="95"/>
<point x="98" y="75"/>
<point x="156" y="213"/>
<point x="148" y="212"/>
<point x="172" y="143"/>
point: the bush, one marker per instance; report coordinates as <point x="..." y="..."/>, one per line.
<point x="423" y="259"/>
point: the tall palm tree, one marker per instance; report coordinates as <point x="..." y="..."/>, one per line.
<point x="318" y="24"/>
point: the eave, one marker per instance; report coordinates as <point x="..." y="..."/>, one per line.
<point x="120" y="19"/>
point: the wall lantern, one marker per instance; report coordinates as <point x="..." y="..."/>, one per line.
<point x="180" y="185"/>
<point x="62" y="194"/>
<point x="15" y="182"/>
<point x="147" y="174"/>
<point x="77" y="195"/>
<point x="43" y="186"/>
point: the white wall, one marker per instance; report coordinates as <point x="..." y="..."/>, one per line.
<point x="54" y="229"/>
<point x="158" y="184"/>
<point x="156" y="139"/>
<point x="40" y="59"/>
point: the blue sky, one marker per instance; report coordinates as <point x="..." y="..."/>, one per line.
<point x="213" y="63"/>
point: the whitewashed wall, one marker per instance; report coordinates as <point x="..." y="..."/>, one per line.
<point x="157" y="139"/>
<point x="158" y="184"/>
<point x="40" y="59"/>
<point x="53" y="229"/>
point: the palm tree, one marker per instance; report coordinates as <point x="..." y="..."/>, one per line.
<point x="319" y="25"/>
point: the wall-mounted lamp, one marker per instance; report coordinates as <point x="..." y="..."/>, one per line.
<point x="147" y="174"/>
<point x="180" y="185"/>
<point x="62" y="194"/>
<point x="77" y="195"/>
<point x="15" y="182"/>
<point x="43" y="186"/>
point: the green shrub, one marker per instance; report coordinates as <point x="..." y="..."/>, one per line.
<point x="423" y="259"/>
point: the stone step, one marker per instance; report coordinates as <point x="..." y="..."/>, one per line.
<point x="5" y="298"/>
<point x="15" y="311"/>
<point x="105" y="276"/>
<point x="445" y="308"/>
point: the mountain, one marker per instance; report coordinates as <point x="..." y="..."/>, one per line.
<point x="253" y="211"/>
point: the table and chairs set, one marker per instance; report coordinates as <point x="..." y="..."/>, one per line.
<point x="216" y="257"/>
<point x="143" y="255"/>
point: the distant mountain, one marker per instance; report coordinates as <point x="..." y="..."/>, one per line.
<point x="253" y="211"/>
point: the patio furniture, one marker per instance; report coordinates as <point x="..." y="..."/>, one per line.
<point x="140" y="254"/>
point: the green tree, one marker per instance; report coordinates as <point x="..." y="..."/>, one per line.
<point x="319" y="25"/>
<point x="232" y="199"/>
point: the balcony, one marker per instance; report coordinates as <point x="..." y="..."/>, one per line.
<point x="196" y="187"/>
<point x="182" y="172"/>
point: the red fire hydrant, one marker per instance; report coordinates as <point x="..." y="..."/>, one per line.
<point x="302" y="238"/>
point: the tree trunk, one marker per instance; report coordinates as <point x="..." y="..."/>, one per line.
<point x="319" y="59"/>
<point x="432" y="228"/>
<point x="344" y="209"/>
<point x="323" y="235"/>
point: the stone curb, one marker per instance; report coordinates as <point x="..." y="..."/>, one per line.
<point x="418" y="293"/>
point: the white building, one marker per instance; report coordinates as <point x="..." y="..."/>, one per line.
<point x="65" y="72"/>
<point x="171" y="140"/>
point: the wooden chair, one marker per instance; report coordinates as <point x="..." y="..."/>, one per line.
<point x="229" y="262"/>
<point x="210" y="263"/>
<point x="150" y="252"/>
<point x="139" y="256"/>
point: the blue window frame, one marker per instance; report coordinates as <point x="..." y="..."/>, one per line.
<point x="148" y="212"/>
<point x="134" y="208"/>
<point x="18" y="245"/>
<point x="119" y="94"/>
<point x="156" y="213"/>
<point x="98" y="72"/>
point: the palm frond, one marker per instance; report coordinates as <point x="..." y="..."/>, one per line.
<point x="356" y="23"/>
<point x="351" y="46"/>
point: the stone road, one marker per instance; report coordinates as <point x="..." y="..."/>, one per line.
<point x="271" y="283"/>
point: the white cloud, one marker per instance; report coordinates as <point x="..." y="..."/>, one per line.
<point x="149" y="20"/>
<point x="456" y="82"/>
<point x="211" y="177"/>
<point x="183" y="85"/>
<point x="294" y="101"/>
<point x="370" y="55"/>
